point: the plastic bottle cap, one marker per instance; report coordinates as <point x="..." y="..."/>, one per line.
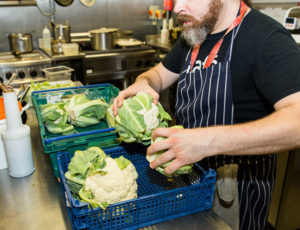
<point x="2" y="110"/>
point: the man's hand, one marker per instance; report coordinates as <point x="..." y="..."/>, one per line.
<point x="182" y="146"/>
<point x="139" y="86"/>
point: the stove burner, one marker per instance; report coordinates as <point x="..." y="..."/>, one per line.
<point x="28" y="67"/>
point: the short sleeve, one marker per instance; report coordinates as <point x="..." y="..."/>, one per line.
<point x="278" y="69"/>
<point x="174" y="59"/>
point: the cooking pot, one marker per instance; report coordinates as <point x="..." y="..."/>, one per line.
<point x="62" y="32"/>
<point x="103" y="38"/>
<point x="20" y="43"/>
<point x="64" y="2"/>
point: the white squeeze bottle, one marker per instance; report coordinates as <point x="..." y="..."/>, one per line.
<point x="16" y="139"/>
<point x="164" y="34"/>
<point x="47" y="39"/>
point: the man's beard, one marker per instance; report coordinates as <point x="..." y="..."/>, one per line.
<point x="197" y="31"/>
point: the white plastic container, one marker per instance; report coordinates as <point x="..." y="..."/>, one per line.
<point x="47" y="39"/>
<point x="16" y="139"/>
<point x="3" y="160"/>
<point x="58" y="73"/>
<point x="18" y="151"/>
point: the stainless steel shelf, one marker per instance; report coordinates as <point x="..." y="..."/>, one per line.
<point x="17" y="3"/>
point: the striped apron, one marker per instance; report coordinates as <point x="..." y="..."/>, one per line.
<point x="204" y="98"/>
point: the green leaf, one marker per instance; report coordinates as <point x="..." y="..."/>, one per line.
<point x="84" y="112"/>
<point x="122" y="162"/>
<point x="163" y="114"/>
<point x="85" y="162"/>
<point x="110" y="118"/>
<point x="130" y="118"/>
<point x="145" y="99"/>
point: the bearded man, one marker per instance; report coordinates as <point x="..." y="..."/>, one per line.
<point x="237" y="74"/>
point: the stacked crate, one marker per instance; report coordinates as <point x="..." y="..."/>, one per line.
<point x="100" y="134"/>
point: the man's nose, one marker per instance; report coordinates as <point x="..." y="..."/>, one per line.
<point x="179" y="6"/>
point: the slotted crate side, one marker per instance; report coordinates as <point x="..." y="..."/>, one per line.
<point x="63" y="145"/>
<point x="158" y="198"/>
<point x="109" y="219"/>
<point x="51" y="141"/>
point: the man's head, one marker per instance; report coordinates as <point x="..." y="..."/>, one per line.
<point x="197" y="18"/>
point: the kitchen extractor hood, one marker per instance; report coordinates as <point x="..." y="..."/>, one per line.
<point x="17" y="3"/>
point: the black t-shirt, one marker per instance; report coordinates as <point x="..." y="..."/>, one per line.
<point x="265" y="64"/>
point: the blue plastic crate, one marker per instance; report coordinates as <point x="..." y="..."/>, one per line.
<point x="159" y="198"/>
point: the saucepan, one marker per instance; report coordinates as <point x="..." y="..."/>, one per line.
<point x="103" y="38"/>
<point x="20" y="43"/>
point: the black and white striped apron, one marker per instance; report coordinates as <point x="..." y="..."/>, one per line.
<point x="204" y="98"/>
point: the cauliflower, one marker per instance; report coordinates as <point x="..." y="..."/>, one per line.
<point x="100" y="179"/>
<point x="150" y="117"/>
<point x="137" y="118"/>
<point x="115" y="185"/>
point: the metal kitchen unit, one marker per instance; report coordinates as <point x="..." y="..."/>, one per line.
<point x="27" y="66"/>
<point x="118" y="66"/>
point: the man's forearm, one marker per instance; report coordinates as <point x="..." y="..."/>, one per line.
<point x="275" y="133"/>
<point x="159" y="77"/>
<point x="153" y="78"/>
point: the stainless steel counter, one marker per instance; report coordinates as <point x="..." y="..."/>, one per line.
<point x="154" y="41"/>
<point x="62" y="57"/>
<point x="36" y="202"/>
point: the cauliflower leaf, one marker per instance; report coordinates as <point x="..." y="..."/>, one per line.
<point x="137" y="118"/>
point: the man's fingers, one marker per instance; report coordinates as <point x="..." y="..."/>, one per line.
<point x="163" y="158"/>
<point x="118" y="101"/>
<point x="122" y="95"/>
<point x="115" y="107"/>
<point x="158" y="146"/>
<point x="130" y="92"/>
<point x="155" y="97"/>
<point x="161" y="132"/>
<point x="176" y="164"/>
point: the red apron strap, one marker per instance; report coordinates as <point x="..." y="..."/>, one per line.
<point x="194" y="55"/>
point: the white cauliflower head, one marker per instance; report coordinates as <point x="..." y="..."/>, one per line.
<point x="114" y="184"/>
